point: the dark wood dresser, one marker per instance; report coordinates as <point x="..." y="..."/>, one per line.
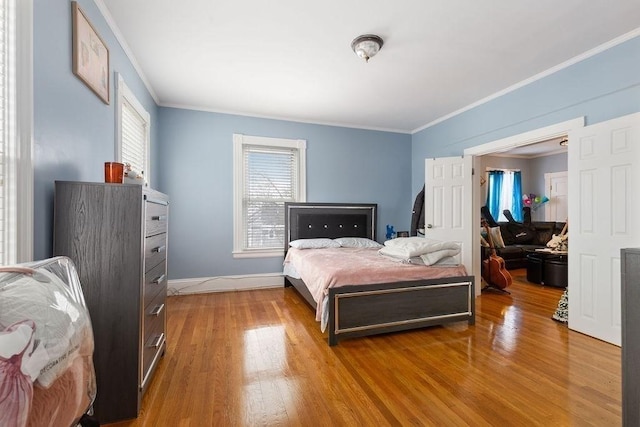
<point x="116" y="234"/>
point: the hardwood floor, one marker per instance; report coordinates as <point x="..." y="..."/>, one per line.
<point x="258" y="358"/>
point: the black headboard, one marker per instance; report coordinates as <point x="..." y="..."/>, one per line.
<point x="331" y="220"/>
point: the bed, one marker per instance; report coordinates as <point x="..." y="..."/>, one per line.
<point x="373" y="308"/>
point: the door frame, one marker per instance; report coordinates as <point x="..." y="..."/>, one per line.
<point x="505" y="144"/>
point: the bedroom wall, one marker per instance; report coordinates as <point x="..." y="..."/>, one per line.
<point x="74" y="131"/>
<point x="602" y="87"/>
<point x="196" y="162"/>
<point x="74" y="134"/>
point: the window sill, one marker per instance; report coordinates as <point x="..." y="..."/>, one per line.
<point x="266" y="253"/>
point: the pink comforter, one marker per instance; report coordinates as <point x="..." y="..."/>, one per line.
<point x="321" y="269"/>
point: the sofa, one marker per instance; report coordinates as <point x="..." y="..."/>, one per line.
<point x="518" y="239"/>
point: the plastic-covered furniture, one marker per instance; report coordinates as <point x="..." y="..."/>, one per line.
<point x="47" y="376"/>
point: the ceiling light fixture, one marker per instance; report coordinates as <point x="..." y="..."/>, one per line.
<point x="366" y="46"/>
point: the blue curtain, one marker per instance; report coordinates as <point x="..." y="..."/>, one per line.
<point x="493" y="193"/>
<point x="516" y="203"/>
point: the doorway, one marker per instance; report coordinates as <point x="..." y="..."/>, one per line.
<point x="556" y="183"/>
<point x="528" y="138"/>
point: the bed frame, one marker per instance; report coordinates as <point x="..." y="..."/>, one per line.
<point x="362" y="310"/>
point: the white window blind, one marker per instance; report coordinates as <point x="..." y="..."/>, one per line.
<point x="270" y="181"/>
<point x="7" y="108"/>
<point x="133" y="124"/>
<point x="269" y="172"/>
<point x="16" y="128"/>
<point x="134" y="130"/>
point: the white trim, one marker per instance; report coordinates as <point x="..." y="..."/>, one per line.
<point x="224" y="283"/>
<point x="17" y="186"/>
<point x="267" y="253"/>
<point x="588" y="54"/>
<point x="526" y="138"/>
<point x="124" y="93"/>
<point x="123" y="43"/>
<point x="24" y="127"/>
<point x="238" y="230"/>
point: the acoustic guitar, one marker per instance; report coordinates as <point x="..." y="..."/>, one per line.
<point x="494" y="271"/>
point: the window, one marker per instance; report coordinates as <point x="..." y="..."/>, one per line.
<point x="504" y="192"/>
<point x="133" y="131"/>
<point x="267" y="173"/>
<point x="16" y="123"/>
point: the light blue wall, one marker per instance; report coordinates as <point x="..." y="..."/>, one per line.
<point x="196" y="159"/>
<point x="74" y="131"/>
<point x="191" y="152"/>
<point x="600" y="88"/>
<point x="540" y="166"/>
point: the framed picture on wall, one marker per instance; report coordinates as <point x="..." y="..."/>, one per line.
<point x="90" y="54"/>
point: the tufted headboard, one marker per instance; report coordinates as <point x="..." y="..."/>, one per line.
<point x="331" y="220"/>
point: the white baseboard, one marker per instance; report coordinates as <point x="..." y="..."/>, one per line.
<point x="224" y="283"/>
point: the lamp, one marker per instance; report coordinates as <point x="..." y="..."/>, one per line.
<point x="366" y="46"/>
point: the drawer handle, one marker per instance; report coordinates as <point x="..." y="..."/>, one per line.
<point x="158" y="280"/>
<point x="156" y="311"/>
<point x="159" y="249"/>
<point x="158" y="341"/>
<point x="159" y="218"/>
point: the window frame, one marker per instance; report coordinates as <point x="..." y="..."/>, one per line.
<point x="18" y="194"/>
<point x="239" y="230"/>
<point x="124" y="94"/>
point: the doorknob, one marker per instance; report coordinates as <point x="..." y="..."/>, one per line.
<point x="429" y="226"/>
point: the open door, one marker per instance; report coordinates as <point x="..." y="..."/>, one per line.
<point x="448" y="204"/>
<point x="604" y="176"/>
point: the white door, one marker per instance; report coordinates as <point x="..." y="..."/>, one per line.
<point x="604" y="177"/>
<point x="448" y="204"/>
<point x="557" y="187"/>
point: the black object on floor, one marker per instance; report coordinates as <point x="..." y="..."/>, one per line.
<point x="89" y="421"/>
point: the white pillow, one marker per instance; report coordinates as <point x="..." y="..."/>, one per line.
<point x="411" y="247"/>
<point x="496" y="237"/>
<point x="404" y="241"/>
<point x="357" y="242"/>
<point x="314" y="244"/>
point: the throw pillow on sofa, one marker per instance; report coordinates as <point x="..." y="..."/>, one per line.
<point x="496" y="237"/>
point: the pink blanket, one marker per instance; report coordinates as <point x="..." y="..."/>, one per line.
<point x="321" y="269"/>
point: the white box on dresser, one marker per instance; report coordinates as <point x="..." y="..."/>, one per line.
<point x="116" y="234"/>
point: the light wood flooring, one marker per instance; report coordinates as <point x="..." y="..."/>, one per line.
<point x="257" y="358"/>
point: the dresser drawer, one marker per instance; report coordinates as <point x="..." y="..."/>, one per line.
<point x="155" y="251"/>
<point x="154" y="315"/>
<point x="155" y="281"/>
<point x="156" y="217"/>
<point x="153" y="332"/>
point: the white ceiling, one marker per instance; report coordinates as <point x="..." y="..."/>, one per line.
<point x="292" y="59"/>
<point x="539" y="149"/>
